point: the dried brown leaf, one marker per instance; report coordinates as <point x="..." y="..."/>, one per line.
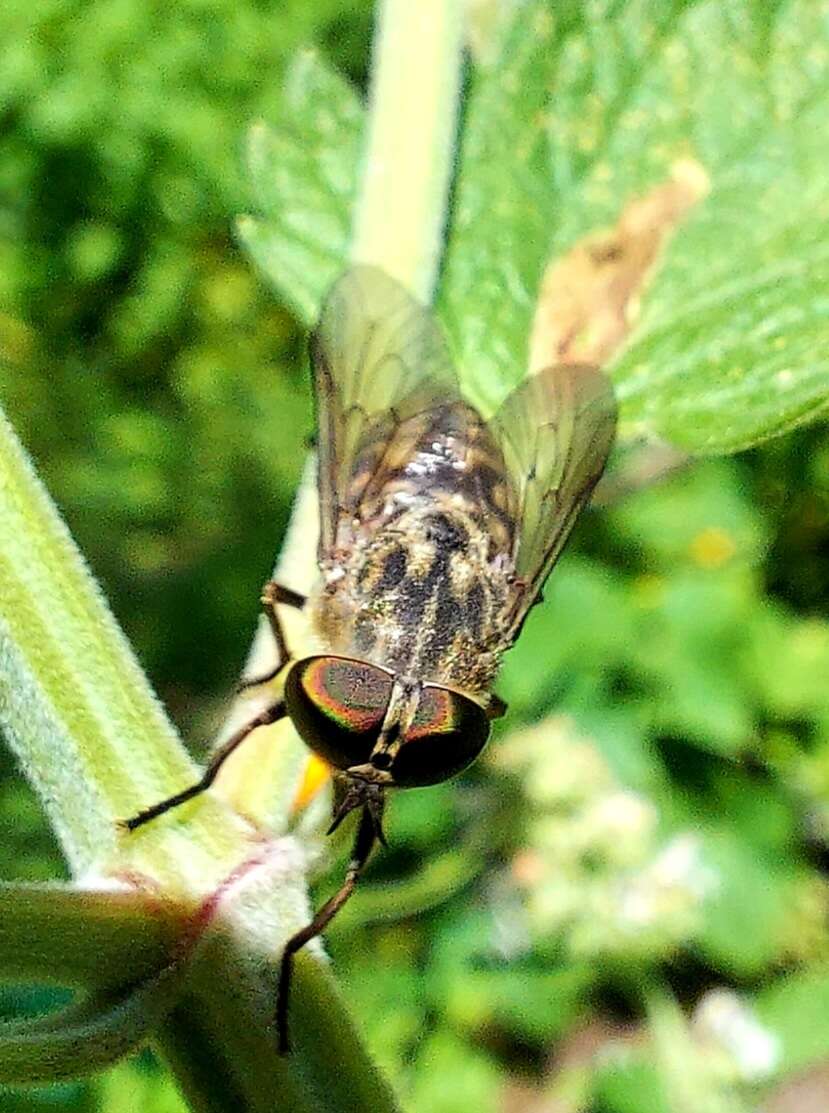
<point x="589" y="298"/>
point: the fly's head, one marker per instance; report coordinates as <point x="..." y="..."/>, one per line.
<point x="379" y="730"/>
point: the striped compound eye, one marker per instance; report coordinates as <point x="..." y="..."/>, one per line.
<point x="338" y="705"/>
<point x="448" y="732"/>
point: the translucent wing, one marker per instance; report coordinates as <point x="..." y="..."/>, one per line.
<point x="378" y="359"/>
<point x="555" y="431"/>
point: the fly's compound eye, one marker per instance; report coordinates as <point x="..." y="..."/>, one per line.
<point x="337" y="705"/>
<point x="447" y="734"/>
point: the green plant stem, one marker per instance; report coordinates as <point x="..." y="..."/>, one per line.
<point x="74" y="704"/>
<point x="91" y="938"/>
<point x="413" y="108"/>
<point x="398" y="226"/>
<point x="88" y="1036"/>
<point x="222" y="1045"/>
<point x="97" y="746"/>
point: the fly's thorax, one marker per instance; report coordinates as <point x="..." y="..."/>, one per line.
<point x="443" y="457"/>
<point x="421" y="597"/>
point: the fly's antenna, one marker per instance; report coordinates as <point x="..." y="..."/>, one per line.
<point x="363" y="845"/>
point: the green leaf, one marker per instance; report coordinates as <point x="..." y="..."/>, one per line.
<point x="687" y="649"/>
<point x="585" y="621"/>
<point x="303" y="167"/>
<point x="453" y="1076"/>
<point x="747" y="915"/>
<point x="700" y="518"/>
<point x="102" y="938"/>
<point x="728" y="349"/>
<point x="580" y="113"/>
<point x="790" y="661"/>
<point x="796" y="1008"/>
<point x="86" y="1037"/>
<point x="628" y="1082"/>
<point x="731" y="345"/>
<point x="504" y="207"/>
<point x="531" y="1003"/>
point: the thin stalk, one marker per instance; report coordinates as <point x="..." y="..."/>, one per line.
<point x="413" y="107"/>
<point x="84" y="937"/>
<point x="87" y="1036"/>
<point x="75" y="705"/>
<point x="417" y="61"/>
<point x="222" y="1047"/>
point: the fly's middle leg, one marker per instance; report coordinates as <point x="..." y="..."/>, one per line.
<point x="272" y="595"/>
<point x="270" y="715"/>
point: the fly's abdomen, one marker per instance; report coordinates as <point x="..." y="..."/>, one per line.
<point x="429" y="596"/>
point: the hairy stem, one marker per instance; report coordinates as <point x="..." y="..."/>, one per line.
<point x="413" y="107"/>
<point x="398" y="226"/>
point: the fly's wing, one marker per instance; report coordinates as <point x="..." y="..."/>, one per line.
<point x="378" y="359"/>
<point x="555" y="431"/>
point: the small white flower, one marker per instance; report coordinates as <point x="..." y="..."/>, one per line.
<point x="620" y="824"/>
<point x="722" y="1018"/>
<point x="680" y="864"/>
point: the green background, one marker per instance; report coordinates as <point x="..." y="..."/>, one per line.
<point x="683" y="646"/>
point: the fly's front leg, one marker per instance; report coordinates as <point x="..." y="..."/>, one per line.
<point x="270" y="715"/>
<point x="272" y="595"/>
<point x="367" y="828"/>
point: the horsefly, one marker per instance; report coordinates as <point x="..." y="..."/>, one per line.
<point x="437" y="531"/>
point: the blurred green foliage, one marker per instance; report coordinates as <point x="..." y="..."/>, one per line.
<point x="140" y="359"/>
<point x="666" y="831"/>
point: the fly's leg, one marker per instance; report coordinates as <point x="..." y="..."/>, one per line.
<point x="270" y="715"/>
<point x="363" y="845"/>
<point x="496" y="708"/>
<point x="272" y="595"/>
